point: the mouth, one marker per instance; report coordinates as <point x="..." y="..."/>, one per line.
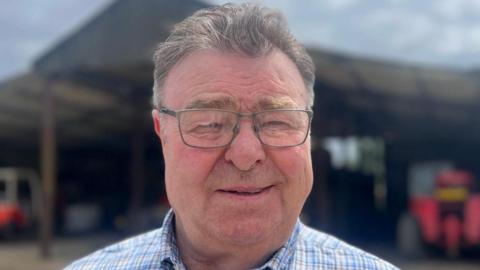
<point x="246" y="191"/>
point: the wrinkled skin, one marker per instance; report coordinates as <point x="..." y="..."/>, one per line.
<point x="215" y="226"/>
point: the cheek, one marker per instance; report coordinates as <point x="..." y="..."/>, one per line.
<point x="186" y="169"/>
<point x="296" y="165"/>
<point x="293" y="162"/>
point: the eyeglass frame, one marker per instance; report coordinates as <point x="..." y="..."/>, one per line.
<point x="239" y="115"/>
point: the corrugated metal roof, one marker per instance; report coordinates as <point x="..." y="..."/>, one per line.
<point x="81" y="113"/>
<point x="124" y="35"/>
<point x="102" y="78"/>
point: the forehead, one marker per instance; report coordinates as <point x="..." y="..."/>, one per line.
<point x="212" y="79"/>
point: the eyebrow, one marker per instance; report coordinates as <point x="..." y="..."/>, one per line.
<point x="272" y="103"/>
<point x="220" y="103"/>
<point x="275" y="103"/>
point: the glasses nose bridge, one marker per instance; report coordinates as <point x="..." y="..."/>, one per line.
<point x="240" y="117"/>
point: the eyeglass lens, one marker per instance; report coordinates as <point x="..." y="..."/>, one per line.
<point x="214" y="128"/>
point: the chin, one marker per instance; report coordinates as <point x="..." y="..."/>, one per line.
<point x="244" y="230"/>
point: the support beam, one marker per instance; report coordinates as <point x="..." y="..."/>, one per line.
<point x="317" y="206"/>
<point x="48" y="163"/>
<point x="137" y="170"/>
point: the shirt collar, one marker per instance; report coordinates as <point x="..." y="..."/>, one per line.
<point x="169" y="252"/>
<point x="281" y="257"/>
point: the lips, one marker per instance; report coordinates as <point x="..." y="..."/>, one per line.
<point x="245" y="191"/>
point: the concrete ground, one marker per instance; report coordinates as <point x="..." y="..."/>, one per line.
<point x="432" y="262"/>
<point x="440" y="265"/>
<point x="24" y="254"/>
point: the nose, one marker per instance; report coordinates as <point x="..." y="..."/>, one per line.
<point x="246" y="150"/>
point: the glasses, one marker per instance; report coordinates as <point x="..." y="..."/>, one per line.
<point x="212" y="128"/>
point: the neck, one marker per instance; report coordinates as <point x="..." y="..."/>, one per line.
<point x="199" y="252"/>
<point x="195" y="260"/>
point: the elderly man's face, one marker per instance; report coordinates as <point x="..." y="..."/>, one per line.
<point x="208" y="188"/>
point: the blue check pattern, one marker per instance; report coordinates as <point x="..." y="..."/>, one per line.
<point x="306" y="249"/>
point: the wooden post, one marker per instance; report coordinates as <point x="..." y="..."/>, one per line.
<point x="137" y="169"/>
<point x="320" y="196"/>
<point x="48" y="162"/>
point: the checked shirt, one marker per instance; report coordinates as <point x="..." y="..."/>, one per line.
<point x="307" y="249"/>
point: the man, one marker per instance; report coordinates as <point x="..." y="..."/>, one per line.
<point x="233" y="94"/>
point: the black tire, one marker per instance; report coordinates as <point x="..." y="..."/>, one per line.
<point x="409" y="238"/>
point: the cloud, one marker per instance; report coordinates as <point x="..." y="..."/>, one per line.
<point x="399" y="29"/>
<point x="422" y="32"/>
<point x="457" y="40"/>
<point x="456" y="9"/>
<point x="337" y="4"/>
<point x="432" y="31"/>
<point x="411" y="31"/>
<point x="29" y="27"/>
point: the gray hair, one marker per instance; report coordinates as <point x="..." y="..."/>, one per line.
<point x="249" y="29"/>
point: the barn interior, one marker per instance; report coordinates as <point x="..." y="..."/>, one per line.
<point x="81" y="119"/>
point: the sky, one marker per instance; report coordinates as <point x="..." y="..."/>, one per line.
<point x="29" y="28"/>
<point x="427" y="32"/>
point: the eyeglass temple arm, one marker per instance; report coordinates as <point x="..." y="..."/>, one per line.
<point x="167" y="111"/>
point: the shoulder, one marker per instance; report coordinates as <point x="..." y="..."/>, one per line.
<point x="134" y="253"/>
<point x="315" y="249"/>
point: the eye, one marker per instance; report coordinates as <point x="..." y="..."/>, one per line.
<point x="210" y="127"/>
<point x="276" y="124"/>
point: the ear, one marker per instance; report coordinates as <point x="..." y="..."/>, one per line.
<point x="157" y="125"/>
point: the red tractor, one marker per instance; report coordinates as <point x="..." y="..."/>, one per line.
<point x="449" y="218"/>
<point x="19" y="200"/>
